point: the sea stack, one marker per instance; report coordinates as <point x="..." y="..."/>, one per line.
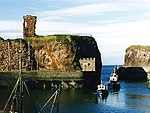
<point x="136" y="63"/>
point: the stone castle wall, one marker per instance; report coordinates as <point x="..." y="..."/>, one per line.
<point x="29" y="26"/>
<point x="87" y="64"/>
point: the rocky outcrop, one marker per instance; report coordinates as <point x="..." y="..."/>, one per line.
<point x="63" y="52"/>
<point x="136" y="63"/>
<point x="55" y="56"/>
<point x="138" y="56"/>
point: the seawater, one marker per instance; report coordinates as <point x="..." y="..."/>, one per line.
<point x="133" y="97"/>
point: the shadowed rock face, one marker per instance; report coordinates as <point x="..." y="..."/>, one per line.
<point x="132" y="74"/>
<point x="138" y="56"/>
<point x="86" y="47"/>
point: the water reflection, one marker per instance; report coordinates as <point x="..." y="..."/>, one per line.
<point x="116" y="99"/>
<point x="132" y="97"/>
<point x="138" y="101"/>
<point x="100" y="99"/>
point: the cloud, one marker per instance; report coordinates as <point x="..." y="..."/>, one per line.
<point x="146" y="1"/>
<point x="80" y="11"/>
<point x="115" y="38"/>
<point x="10" y="28"/>
<point x="112" y="39"/>
<point x="115" y="25"/>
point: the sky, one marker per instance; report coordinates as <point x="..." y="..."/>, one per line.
<point x="115" y="24"/>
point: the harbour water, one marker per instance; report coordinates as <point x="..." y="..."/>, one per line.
<point x="133" y="97"/>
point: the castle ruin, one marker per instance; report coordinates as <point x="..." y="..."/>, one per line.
<point x="29" y="26"/>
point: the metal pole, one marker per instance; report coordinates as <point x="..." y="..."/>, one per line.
<point x="9" y="59"/>
<point x="29" y="55"/>
<point x="58" y="98"/>
<point x="38" y="59"/>
<point x="20" y="80"/>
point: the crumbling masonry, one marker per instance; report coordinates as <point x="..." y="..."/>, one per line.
<point x="29" y="26"/>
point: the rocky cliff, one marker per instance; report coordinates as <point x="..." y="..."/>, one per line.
<point x="61" y="56"/>
<point x="53" y="55"/>
<point x="138" y="56"/>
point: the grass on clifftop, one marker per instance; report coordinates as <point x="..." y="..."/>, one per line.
<point x="42" y="38"/>
<point x="63" y="39"/>
<point x="138" y="47"/>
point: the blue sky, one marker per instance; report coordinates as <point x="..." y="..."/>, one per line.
<point x="115" y="24"/>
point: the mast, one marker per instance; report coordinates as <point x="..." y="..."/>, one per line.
<point x="20" y="81"/>
<point x="9" y="57"/>
<point x="29" y="59"/>
<point x="17" y="92"/>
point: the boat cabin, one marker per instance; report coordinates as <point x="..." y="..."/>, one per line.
<point x="101" y="87"/>
<point x="114" y="77"/>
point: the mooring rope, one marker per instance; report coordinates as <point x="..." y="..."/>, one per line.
<point x="31" y="98"/>
<point x="54" y="102"/>
<point x="48" y="101"/>
<point x="11" y="95"/>
<point x="14" y="102"/>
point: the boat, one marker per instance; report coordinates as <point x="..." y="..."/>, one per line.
<point x="102" y="91"/>
<point x="113" y="83"/>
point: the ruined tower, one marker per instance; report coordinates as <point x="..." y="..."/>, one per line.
<point x="29" y="26"/>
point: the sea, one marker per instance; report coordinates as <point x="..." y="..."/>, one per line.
<point x="133" y="97"/>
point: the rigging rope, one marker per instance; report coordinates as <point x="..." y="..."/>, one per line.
<point x="53" y="102"/>
<point x="15" y="87"/>
<point x="14" y="102"/>
<point x="32" y="96"/>
<point x="48" y="101"/>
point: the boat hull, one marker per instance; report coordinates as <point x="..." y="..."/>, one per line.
<point x="114" y="86"/>
<point x="102" y="94"/>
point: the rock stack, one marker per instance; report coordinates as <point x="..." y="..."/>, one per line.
<point x="136" y="64"/>
<point x="138" y="56"/>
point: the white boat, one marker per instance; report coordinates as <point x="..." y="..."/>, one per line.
<point x="102" y="91"/>
<point x="113" y="83"/>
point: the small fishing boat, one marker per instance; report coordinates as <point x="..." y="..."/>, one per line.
<point x="102" y="91"/>
<point x="113" y="83"/>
